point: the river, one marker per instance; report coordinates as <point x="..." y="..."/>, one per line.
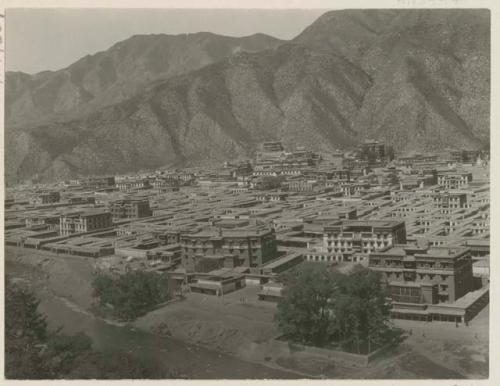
<point x="188" y="360"/>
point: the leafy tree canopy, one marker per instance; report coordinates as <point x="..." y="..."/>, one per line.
<point x="132" y="294"/>
<point x="322" y="307"/>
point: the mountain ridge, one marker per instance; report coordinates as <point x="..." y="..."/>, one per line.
<point x="110" y="76"/>
<point x="399" y="84"/>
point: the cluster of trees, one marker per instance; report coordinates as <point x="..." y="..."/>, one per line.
<point x="132" y="294"/>
<point x="323" y="307"/>
<point x="270" y="182"/>
<point x="32" y="351"/>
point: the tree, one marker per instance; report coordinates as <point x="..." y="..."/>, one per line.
<point x="25" y="332"/>
<point x="31" y="350"/>
<point x="305" y="312"/>
<point x="34" y="352"/>
<point x="270" y="182"/>
<point x="362" y="301"/>
<point x="321" y="307"/>
<point x="23" y="318"/>
<point x="132" y="294"/>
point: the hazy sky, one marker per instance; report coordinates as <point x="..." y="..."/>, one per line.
<point x="51" y="39"/>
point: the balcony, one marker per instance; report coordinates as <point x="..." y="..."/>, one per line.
<point x="406" y="299"/>
<point x="409" y="265"/>
<point x="409" y="275"/>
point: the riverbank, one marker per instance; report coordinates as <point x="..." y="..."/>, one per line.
<point x="187" y="360"/>
<point x="237" y="331"/>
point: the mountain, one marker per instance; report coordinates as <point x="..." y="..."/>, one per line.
<point x="418" y="79"/>
<point x="114" y="75"/>
<point x="430" y="72"/>
<point x="348" y="33"/>
<point x="220" y="111"/>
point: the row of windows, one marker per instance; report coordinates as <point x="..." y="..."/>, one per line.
<point x="405" y="209"/>
<point x="338" y="250"/>
<point x="377" y="236"/>
<point x="128" y="208"/>
<point x="229" y="242"/>
<point x="214" y="250"/>
<point x="409" y="291"/>
<point x="398" y="263"/>
<point x="406" y="298"/>
<point x="331" y="258"/>
<point x="421" y="276"/>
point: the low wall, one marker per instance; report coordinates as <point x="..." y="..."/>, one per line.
<point x="126" y="252"/>
<point x="252" y="281"/>
<point x="358" y="360"/>
<point x="341" y="356"/>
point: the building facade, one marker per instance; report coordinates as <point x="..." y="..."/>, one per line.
<point x="81" y="222"/>
<point x="252" y="247"/>
<point x="417" y="277"/>
<point x="132" y="184"/>
<point x="450" y="200"/>
<point x="453" y="180"/>
<point x="130" y="208"/>
<point x="375" y="151"/>
<point x="363" y="236"/>
<point x="97" y="183"/>
<point x="353" y="240"/>
<point x="47" y="198"/>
